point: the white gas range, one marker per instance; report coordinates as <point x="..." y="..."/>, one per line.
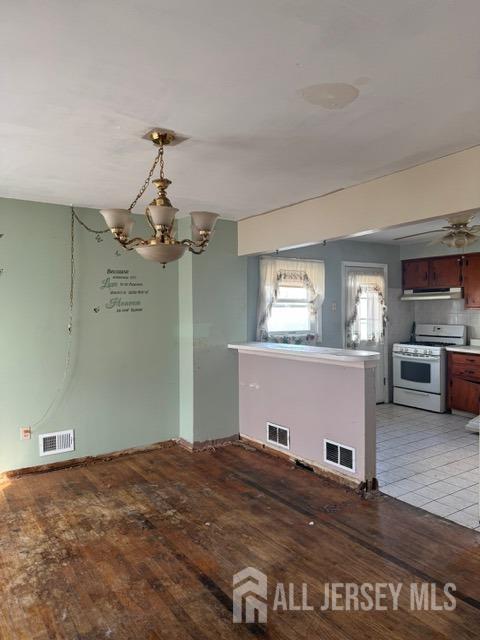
<point x="419" y="367"/>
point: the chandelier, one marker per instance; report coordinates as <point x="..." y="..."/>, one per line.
<point x="162" y="246"/>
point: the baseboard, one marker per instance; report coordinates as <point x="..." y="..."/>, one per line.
<point x="104" y="457"/>
<point x="207" y="444"/>
<point x="79" y="462"/>
<point x="352" y="483"/>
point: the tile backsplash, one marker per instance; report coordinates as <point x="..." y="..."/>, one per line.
<point x="448" y="312"/>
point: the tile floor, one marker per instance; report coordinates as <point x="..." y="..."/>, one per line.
<point x="429" y="461"/>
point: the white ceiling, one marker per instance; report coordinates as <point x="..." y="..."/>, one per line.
<point x="81" y="82"/>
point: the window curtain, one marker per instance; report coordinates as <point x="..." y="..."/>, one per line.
<point x="367" y="286"/>
<point x="275" y="272"/>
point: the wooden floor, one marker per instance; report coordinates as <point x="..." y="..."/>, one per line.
<point x="145" y="547"/>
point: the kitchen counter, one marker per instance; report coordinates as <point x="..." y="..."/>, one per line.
<point x="343" y="357"/>
<point x="474" y="349"/>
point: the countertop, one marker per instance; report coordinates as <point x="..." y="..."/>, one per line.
<point x="466" y="349"/>
<point x="327" y="355"/>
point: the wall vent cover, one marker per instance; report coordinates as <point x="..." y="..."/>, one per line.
<point x="339" y="455"/>
<point x="278" y="435"/>
<point x="56" y="442"/>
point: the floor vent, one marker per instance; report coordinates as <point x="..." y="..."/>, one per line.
<point x="57" y="442"/>
<point x="339" y="455"/>
<point x="278" y="435"/>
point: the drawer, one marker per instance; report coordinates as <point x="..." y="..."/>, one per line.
<point x="467" y="371"/>
<point x="464" y="358"/>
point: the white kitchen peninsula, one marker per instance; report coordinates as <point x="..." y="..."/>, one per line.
<point x="315" y="404"/>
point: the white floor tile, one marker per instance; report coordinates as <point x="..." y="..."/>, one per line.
<point x="465" y="519"/>
<point x="438" y="508"/>
<point x="428" y="460"/>
<point x="415" y="499"/>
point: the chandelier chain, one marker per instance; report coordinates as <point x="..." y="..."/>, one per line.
<point x="158" y="158"/>
<point x="85" y="226"/>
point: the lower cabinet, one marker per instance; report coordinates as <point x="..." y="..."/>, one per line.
<point x="464" y="382"/>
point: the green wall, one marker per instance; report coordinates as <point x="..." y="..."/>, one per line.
<point x="122" y="389"/>
<point x="213" y="317"/>
<point x="135" y="377"/>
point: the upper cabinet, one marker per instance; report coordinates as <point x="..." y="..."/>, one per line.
<point x="471" y="278"/>
<point x="445" y="272"/>
<point x="415" y="274"/>
<point x="432" y="273"/>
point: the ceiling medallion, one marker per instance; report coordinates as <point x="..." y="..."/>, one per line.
<point x="161" y="246"/>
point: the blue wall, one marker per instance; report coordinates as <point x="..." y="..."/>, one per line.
<point x="333" y="254"/>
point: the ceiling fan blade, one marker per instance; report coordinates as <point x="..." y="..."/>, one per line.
<point x="438" y="240"/>
<point x="415" y="235"/>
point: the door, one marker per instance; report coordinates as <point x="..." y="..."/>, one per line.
<point x="415" y="274"/>
<point x="446" y="272"/>
<point x="364" y="316"/>
<point x="471" y="280"/>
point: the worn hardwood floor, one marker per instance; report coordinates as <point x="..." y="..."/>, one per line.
<point x="145" y="547"/>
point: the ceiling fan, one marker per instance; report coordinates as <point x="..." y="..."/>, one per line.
<point x="458" y="233"/>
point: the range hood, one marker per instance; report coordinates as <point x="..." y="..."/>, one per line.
<point x="454" y="293"/>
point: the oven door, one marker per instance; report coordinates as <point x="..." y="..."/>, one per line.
<point x="419" y="373"/>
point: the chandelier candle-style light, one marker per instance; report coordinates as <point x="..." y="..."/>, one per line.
<point x="162" y="246"/>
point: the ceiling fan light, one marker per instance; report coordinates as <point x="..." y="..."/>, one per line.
<point x="460" y="240"/>
<point x="204" y="220"/>
<point x="162" y="215"/>
<point x="116" y="218"/>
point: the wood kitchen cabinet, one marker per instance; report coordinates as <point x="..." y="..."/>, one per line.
<point x="464" y="382"/>
<point x="445" y="272"/>
<point x="415" y="274"/>
<point x="440" y="272"/>
<point x="471" y="280"/>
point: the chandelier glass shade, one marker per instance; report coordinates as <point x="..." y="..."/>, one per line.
<point x="162" y="246"/>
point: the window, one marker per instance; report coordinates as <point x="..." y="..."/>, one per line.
<point x="290" y="312"/>
<point x="365" y="306"/>
<point x="369" y="314"/>
<point x="290" y="300"/>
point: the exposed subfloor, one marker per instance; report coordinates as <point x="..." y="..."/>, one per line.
<point x="145" y="547"/>
<point x="430" y="461"/>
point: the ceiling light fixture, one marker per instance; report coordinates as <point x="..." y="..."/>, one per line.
<point x="459" y="232"/>
<point x="162" y="246"/>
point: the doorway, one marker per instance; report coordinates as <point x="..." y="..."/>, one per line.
<point x="364" y="315"/>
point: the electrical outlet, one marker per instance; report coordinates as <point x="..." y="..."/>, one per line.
<point x="334" y="307"/>
<point x="25" y="433"/>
